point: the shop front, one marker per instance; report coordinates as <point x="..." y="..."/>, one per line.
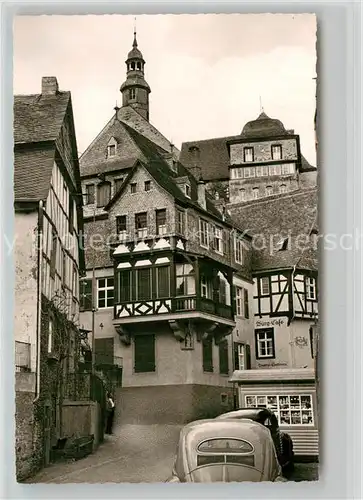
<point x="291" y="395"/>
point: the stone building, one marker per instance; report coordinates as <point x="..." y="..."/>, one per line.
<point x="48" y="262"/>
<point x="263" y="161"/>
<point x="163" y="290"/>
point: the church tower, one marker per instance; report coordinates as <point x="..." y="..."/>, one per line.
<point x="135" y="90"/>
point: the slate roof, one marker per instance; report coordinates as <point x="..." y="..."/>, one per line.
<point x="274" y="218"/>
<point x="164" y="176"/>
<point x="213" y="157"/>
<point x="38" y="121"/>
<point x="39" y="117"/>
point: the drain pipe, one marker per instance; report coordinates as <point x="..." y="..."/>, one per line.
<point x="39" y="298"/>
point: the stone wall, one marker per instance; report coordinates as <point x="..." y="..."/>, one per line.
<point x="262" y="151"/>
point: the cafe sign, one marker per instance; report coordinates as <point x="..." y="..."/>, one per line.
<point x="270" y="322"/>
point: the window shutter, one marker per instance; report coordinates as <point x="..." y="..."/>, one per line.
<point x="245" y="297"/>
<point x="248" y="357"/>
<point x="223" y="357"/>
<point x="208" y="355"/>
<point x="86" y="295"/>
<point x="144" y="354"/>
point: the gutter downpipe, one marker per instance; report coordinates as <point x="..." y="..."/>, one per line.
<point x="39" y="298"/>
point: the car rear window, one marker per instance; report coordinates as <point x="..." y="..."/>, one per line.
<point x="226" y="459"/>
<point x="225" y="445"/>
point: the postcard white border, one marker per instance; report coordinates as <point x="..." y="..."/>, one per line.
<point x="340" y="114"/>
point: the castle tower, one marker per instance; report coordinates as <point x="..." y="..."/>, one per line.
<point x="135" y="90"/>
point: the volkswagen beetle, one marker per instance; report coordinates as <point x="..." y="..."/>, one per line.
<point x="266" y="417"/>
<point x="219" y="451"/>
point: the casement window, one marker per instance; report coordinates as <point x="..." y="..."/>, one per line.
<point x="203" y="233"/>
<point x="255" y="193"/>
<point x="161" y="221"/>
<point x="207" y="348"/>
<point x="242" y="356"/>
<point x="248" y="155"/>
<point x="223" y="358"/>
<point x="238" y="297"/>
<point x="276" y="152"/>
<point x="111" y="150"/>
<point x="288" y="169"/>
<point x="206" y="288"/>
<point x="222" y="292"/>
<point x="265" y="285"/>
<point x="310" y="288"/>
<point x="265" y="343"/>
<point x="187" y="190"/>
<point x="268" y="190"/>
<point x="141" y="224"/>
<point x="283" y="188"/>
<point x="275" y="170"/>
<point x="50" y="335"/>
<point x="144" y="353"/>
<point x="118" y="184"/>
<point x="121" y="227"/>
<point x="132" y="92"/>
<point x="105" y="292"/>
<point x="185" y="280"/>
<point x="290" y="409"/>
<point x="124" y="281"/>
<point x="103" y="194"/>
<point x="143" y="284"/>
<point x="133" y="187"/>
<point x="163" y="281"/>
<point x="238" y="249"/>
<point x="237" y="173"/>
<point x="262" y="171"/>
<point x="147" y="185"/>
<point x="249" y="172"/>
<point x="245" y="303"/>
<point x="85" y="294"/>
<point x="180" y="221"/>
<point x="53" y="253"/>
<point x="218" y="239"/>
<point x="90" y="194"/>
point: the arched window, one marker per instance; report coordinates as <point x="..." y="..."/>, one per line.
<point x="255" y="193"/>
<point x="283" y="188"/>
<point x="268" y="190"/>
<point x="243" y="194"/>
<point x="103" y="193"/>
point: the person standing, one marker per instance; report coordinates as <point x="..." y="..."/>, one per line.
<point x="110" y="408"/>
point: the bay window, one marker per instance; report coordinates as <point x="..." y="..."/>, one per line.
<point x="185" y="279"/>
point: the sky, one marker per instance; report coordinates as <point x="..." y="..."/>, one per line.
<point x="209" y="73"/>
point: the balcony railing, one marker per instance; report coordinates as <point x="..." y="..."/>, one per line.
<point x="172" y="305"/>
<point x="22" y="356"/>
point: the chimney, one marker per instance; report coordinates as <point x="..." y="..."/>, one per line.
<point x="201" y="194"/>
<point x="49" y="85"/>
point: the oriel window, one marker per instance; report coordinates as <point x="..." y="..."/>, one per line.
<point x="185" y="279"/>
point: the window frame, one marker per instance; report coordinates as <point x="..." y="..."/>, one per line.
<point x="148" y="296"/>
<point x="256" y="193"/>
<point x="262" y="281"/>
<point x="269" y="191"/>
<point x="141" y="232"/>
<point x="268" y="342"/>
<point x="180" y="221"/>
<point x="121" y="220"/>
<point x="203" y="233"/>
<point x="246" y="151"/>
<point x="161" y="229"/>
<point x="238" y="250"/>
<point x="133" y="187"/>
<point x="111" y="150"/>
<point x="309" y="287"/>
<point x="132" y="93"/>
<point x="90" y="197"/>
<point x="147" y="186"/>
<point x="273" y="147"/>
<point x="106" y="288"/>
<point x="218" y="240"/>
<point x="127" y="297"/>
<point x="185" y="280"/>
<point x="102" y="198"/>
<point x="157" y="290"/>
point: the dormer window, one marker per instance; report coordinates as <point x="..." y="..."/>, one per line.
<point x="187" y="190"/>
<point x="132" y="93"/>
<point x="248" y="155"/>
<point x="111" y="147"/>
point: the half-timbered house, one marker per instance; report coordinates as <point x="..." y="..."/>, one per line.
<point x="284" y="267"/>
<point x="49" y="260"/>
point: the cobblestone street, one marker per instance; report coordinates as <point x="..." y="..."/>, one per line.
<point x="134" y="454"/>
